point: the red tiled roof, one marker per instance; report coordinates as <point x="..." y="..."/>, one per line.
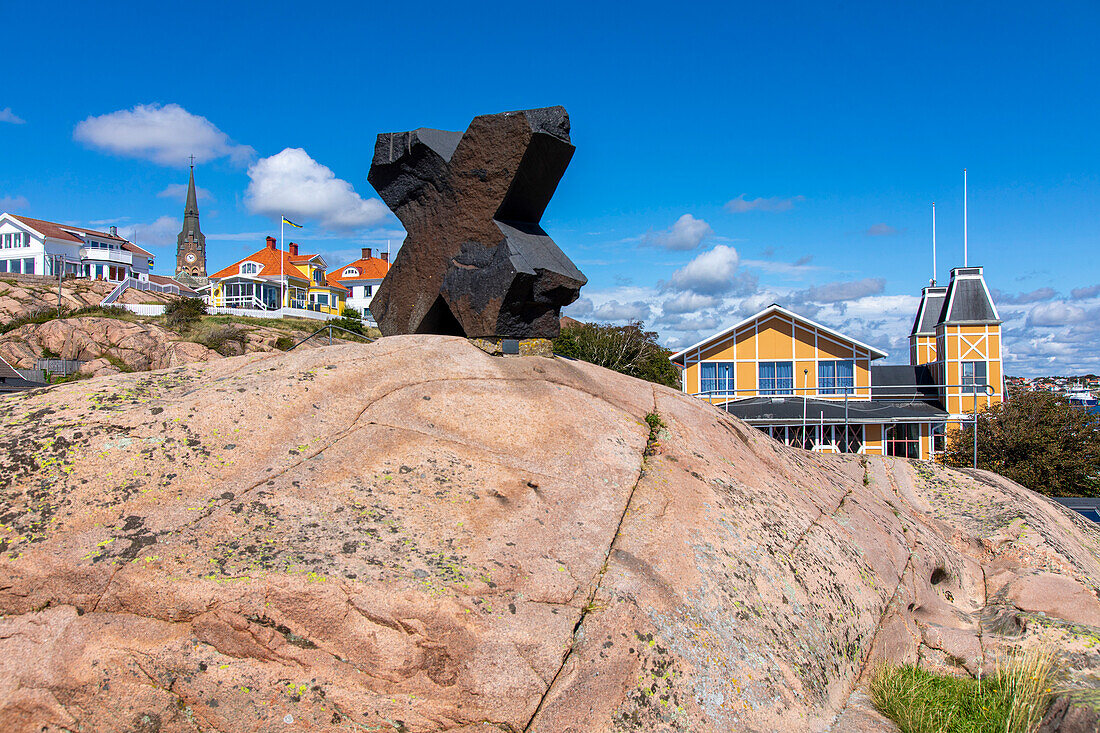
<point x="370" y="268"/>
<point x="269" y="261"/>
<point x="58" y="231"/>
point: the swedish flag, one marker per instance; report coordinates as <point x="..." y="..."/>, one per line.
<point x="288" y="221"/>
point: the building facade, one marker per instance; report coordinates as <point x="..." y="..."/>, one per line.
<point x="257" y="281"/>
<point x="39" y="247"/>
<point x="191" y="243"/>
<point x="361" y="278"/>
<point x="810" y="386"/>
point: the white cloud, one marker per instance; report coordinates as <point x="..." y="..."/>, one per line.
<point x="13" y="203"/>
<point x="294" y="185"/>
<point x="838" y="291"/>
<point x="710" y="273"/>
<point x="881" y="230"/>
<point x="740" y="205"/>
<point x="159" y="233"/>
<point x="687" y="233"/>
<point x="6" y="115"/>
<point x="688" y="302"/>
<point x="1056" y="313"/>
<point x="165" y="134"/>
<point x="613" y="310"/>
<point x="178" y="191"/>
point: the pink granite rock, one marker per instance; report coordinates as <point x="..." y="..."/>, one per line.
<point x="412" y="535"/>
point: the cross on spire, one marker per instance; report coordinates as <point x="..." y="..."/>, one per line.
<point x="192" y="157"/>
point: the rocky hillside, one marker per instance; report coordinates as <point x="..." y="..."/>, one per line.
<point x="110" y="345"/>
<point x="24" y="294"/>
<point x="414" y="536"/>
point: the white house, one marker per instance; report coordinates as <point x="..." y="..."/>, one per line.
<point x="362" y="278"/>
<point x="37" y="247"/>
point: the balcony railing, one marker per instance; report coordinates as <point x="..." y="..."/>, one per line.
<point x="107" y="255"/>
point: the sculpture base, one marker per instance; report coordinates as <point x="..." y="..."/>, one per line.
<point x="501" y="346"/>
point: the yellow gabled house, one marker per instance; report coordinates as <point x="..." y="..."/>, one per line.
<point x="257" y="280"/>
<point x="811" y="386"/>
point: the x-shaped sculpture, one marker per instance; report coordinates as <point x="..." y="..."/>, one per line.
<point x="475" y="261"/>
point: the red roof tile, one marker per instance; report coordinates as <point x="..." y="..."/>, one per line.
<point x="269" y="261"/>
<point x="370" y="268"/>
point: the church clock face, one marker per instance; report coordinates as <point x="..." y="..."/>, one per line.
<point x="190" y="258"/>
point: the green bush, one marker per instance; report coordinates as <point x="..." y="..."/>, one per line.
<point x="283" y="343"/>
<point x="627" y="349"/>
<point x="226" y="340"/>
<point x="1036" y="439"/>
<point x="184" y="313"/>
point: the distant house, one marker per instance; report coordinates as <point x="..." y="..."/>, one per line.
<point x="362" y="278"/>
<point x="13" y="381"/>
<point x="38" y="247"/>
<point x="256" y="281"/>
<point x="811" y="386"/>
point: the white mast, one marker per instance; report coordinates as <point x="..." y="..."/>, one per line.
<point x="933" y="243"/>
<point x="966" y="259"/>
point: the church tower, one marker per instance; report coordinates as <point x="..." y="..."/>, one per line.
<point x="191" y="243"/>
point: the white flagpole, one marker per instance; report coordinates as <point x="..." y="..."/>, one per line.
<point x="933" y="243"/>
<point x="966" y="258"/>
<point x="282" y="301"/>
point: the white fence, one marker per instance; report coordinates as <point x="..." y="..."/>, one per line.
<point x="143" y="309"/>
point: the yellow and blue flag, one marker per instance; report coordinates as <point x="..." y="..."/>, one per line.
<point x="288" y="221"/>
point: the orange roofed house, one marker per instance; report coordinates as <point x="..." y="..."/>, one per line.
<point x="810" y="386"/>
<point x="362" y="278"/>
<point x="256" y="282"/>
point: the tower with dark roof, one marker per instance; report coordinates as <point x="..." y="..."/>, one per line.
<point x="968" y="343"/>
<point x="191" y="243"/>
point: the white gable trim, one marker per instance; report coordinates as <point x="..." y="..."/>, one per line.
<point x="772" y="309"/>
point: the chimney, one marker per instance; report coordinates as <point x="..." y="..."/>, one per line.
<point x="385" y="256"/>
<point x="114" y="231"/>
<point x="271" y="242"/>
<point x="366" y="253"/>
<point x="293" y="249"/>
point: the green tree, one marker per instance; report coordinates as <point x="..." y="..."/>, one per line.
<point x="627" y="349"/>
<point x="183" y="313"/>
<point x="1036" y="439"/>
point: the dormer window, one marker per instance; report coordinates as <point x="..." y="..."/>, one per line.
<point x="351" y="272"/>
<point x="250" y="268"/>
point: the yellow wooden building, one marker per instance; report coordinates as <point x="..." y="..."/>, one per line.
<point x="256" y="282"/>
<point x="811" y="386"/>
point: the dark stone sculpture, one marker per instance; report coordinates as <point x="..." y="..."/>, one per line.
<point x="475" y="262"/>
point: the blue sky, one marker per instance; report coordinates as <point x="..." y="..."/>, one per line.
<point x="728" y="156"/>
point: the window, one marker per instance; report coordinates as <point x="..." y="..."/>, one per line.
<point x="716" y="378"/>
<point x="3" y="265"/>
<point x="973" y="377"/>
<point x="835" y="377"/>
<point x="776" y="377"/>
<point x="350" y="272"/>
<point x="903" y="440"/>
<point x="850" y="441"/>
<point x="28" y="266"/>
<point x="249" y="268"/>
<point x="939" y="432"/>
<point x="319" y="276"/>
<point x="367" y="290"/>
<point x="7" y="241"/>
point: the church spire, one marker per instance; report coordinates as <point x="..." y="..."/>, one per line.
<point x="190" y="243"/>
<point x="192" y="207"/>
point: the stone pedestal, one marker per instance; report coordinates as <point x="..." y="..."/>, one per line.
<point x="500" y="346"/>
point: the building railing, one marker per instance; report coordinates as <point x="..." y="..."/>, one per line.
<point x="107" y="255"/>
<point x="64" y="367"/>
<point x="136" y="284"/>
<point x="988" y="390"/>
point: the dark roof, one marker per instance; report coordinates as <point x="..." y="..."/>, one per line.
<point x="931" y="302"/>
<point x="790" y="409"/>
<point x="1090" y="508"/>
<point x="903" y="382"/>
<point x="13" y="381"/>
<point x="968" y="299"/>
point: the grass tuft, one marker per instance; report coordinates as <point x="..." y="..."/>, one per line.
<point x="1012" y="699"/>
<point x="656" y="424"/>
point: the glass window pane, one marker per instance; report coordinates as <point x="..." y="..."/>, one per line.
<point x="708" y="377"/>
